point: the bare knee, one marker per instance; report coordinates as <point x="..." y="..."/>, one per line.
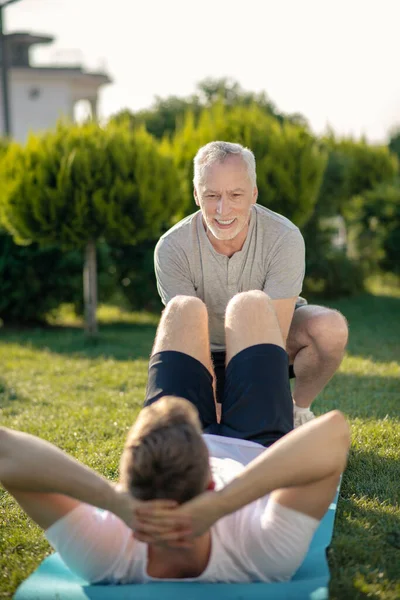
<point x="340" y="429"/>
<point x="340" y="424"/>
<point x="250" y="320"/>
<point x="328" y="330"/>
<point x="249" y="302"/>
<point x="184" y="328"/>
<point x="186" y="304"/>
<point x="186" y="309"/>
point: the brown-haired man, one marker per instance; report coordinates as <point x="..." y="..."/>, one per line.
<point x="205" y="500"/>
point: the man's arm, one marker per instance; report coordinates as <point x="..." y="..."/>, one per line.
<point x="284" y="312"/>
<point x="312" y="453"/>
<point x="48" y="484"/>
<point x="304" y="456"/>
<point x="36" y="472"/>
<point x="172" y="272"/>
<point x="284" y="278"/>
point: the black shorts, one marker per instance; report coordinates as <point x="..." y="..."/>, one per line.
<point x="219" y="361"/>
<point x="219" y="370"/>
<point x="257" y="403"/>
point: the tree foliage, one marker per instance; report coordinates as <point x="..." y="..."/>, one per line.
<point x="81" y="183"/>
<point x="377" y="215"/>
<point x="35" y="280"/>
<point x="167" y="114"/>
<point x="290" y="162"/>
<point x="78" y="185"/>
<point x="394" y="142"/>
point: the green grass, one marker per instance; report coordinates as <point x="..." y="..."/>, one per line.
<point x="84" y="397"/>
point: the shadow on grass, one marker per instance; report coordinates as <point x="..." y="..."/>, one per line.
<point x="11" y="403"/>
<point x="374" y="323"/>
<point x="364" y="555"/>
<point x="9" y="399"/>
<point x="372" y="476"/>
<point x="118" y="341"/>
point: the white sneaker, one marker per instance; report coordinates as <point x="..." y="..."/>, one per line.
<point x="301" y="415"/>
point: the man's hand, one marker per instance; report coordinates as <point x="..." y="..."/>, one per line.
<point x="201" y="513"/>
<point x="174" y="529"/>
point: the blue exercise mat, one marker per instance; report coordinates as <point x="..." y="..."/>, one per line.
<point x="54" y="581"/>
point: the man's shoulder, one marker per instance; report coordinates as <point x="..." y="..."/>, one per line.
<point x="180" y="232"/>
<point x="268" y="219"/>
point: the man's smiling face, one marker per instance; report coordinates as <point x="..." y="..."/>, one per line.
<point x="225" y="195"/>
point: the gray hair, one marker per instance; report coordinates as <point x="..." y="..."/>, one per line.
<point x="218" y="152"/>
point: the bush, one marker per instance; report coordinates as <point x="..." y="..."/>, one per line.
<point x="290" y="162"/>
<point x="369" y="166"/>
<point x="377" y="219"/>
<point x="35" y="280"/>
<point x="333" y="276"/>
<point x="79" y="185"/>
<point x="134" y="272"/>
<point x="353" y="170"/>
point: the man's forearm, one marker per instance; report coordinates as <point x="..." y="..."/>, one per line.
<point x="30" y="464"/>
<point x="308" y="454"/>
<point x="284" y="309"/>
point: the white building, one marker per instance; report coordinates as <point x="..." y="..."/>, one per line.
<point x="40" y="95"/>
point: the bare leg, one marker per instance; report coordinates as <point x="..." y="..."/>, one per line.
<point x="316" y="344"/>
<point x="184" y="328"/>
<point x="250" y="319"/>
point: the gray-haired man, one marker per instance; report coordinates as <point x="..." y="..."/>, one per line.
<point x="232" y="244"/>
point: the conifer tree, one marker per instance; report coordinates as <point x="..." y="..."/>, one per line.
<point x="80" y="184"/>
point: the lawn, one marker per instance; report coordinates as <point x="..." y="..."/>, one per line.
<point x="84" y="397"/>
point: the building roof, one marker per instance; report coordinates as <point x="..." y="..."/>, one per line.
<point x="26" y="39"/>
<point x="29" y="39"/>
<point x="76" y="71"/>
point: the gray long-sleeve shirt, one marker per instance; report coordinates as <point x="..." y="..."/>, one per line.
<point x="272" y="259"/>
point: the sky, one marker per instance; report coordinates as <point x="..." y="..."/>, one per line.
<point x="335" y="61"/>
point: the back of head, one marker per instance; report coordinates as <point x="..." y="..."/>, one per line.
<point x="165" y="455"/>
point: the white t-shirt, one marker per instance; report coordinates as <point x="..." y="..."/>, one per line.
<point x="263" y="541"/>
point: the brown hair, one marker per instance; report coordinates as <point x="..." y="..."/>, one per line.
<point x="165" y="455"/>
